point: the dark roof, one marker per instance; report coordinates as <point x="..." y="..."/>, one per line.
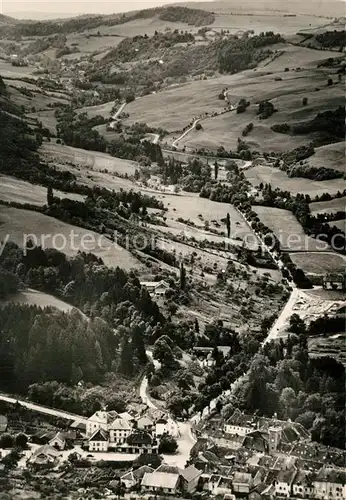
<point x="99" y="435"/>
<point x="191" y="473"/>
<point x="139" y="437"/>
<point x="331" y="475"/>
<point x="240" y="419"/>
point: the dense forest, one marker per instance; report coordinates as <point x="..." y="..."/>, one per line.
<point x="239" y="54"/>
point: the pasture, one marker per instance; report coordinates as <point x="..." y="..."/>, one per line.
<point x="328" y="207"/>
<point x="18" y="72"/>
<point x="287" y="229"/>
<point x="277" y="178"/>
<point x="319" y="263"/>
<point x="286" y="95"/>
<point x="332" y="155"/>
<point x="101" y="109"/>
<point x="19" y="225"/>
<point x="12" y="189"/>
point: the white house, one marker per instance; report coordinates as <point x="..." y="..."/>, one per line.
<point x="239" y="424"/>
<point x="58" y="441"/>
<point x="134" y="477"/>
<point x="284" y="483"/>
<point x="156" y="287"/>
<point x="145" y="423"/>
<point x="161" y="427"/>
<point x="119" y="430"/>
<point x="45" y="455"/>
<point x="330" y="483"/>
<point x="99" y="441"/>
<point x="100" y="420"/>
<point x="302" y="485"/>
<point x="161" y="482"/>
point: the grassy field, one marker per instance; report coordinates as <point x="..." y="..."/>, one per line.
<point x="102" y="109"/>
<point x="18" y="223"/>
<point x="264" y="173"/>
<point x="328" y="207"/>
<point x="175" y="107"/>
<point x="35" y="298"/>
<point x="90" y="160"/>
<point x="9" y="71"/>
<point x="286" y="95"/>
<point x="12" y="189"/>
<point x="319" y="262"/>
<point x="332" y="155"/>
<point x="286" y="228"/>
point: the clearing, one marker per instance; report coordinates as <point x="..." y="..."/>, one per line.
<point x="12" y="189"/>
<point x="35" y="298"/>
<point x="51" y="233"/>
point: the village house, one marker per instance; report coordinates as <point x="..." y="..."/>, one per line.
<point x="119" y="430"/>
<point x="58" y="441"/>
<point x="145" y="423"/>
<point x="334" y="281"/>
<point x="284" y="483"/>
<point x="100" y="420"/>
<point x="239" y="424"/>
<point x="242" y="482"/>
<point x="330" y="483"/>
<point x="45" y="456"/>
<point x="134" y="477"/>
<point x="156" y="287"/>
<point x="190" y="478"/>
<point x="302" y="485"/>
<point x="140" y="442"/>
<point x="99" y="441"/>
<point x="165" y="479"/>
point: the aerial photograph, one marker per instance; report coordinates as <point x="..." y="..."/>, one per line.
<point x="172" y="250"/>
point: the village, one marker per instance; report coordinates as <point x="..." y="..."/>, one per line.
<point x="243" y="456"/>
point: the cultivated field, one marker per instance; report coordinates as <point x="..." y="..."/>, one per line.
<point x="287" y="229"/>
<point x="328" y="207"/>
<point x="9" y="71"/>
<point x="319" y="262"/>
<point x="332" y="155"/>
<point x="277" y="178"/>
<point x="12" y="189"/>
<point x="53" y="233"/>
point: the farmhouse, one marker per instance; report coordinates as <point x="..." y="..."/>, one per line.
<point x="156" y="287"/>
<point x="134" y="477"/>
<point x="334" y="281"/>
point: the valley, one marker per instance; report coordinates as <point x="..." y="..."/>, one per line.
<point x="172" y="250"/>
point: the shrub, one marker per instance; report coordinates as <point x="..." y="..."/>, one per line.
<point x="168" y="445"/>
<point x="199" y="126"/>
<point x="305" y="101"/>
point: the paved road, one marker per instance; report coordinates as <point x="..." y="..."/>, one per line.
<point x="42" y="409"/>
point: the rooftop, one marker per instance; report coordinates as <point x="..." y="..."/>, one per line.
<point x="160" y="480"/>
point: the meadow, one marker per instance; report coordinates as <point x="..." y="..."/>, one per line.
<point x="319" y="262"/>
<point x="328" y="207"/>
<point x="286" y="228"/>
<point x="332" y="155"/>
<point x="277" y="178"/>
<point x="85" y="159"/>
<point x="17" y="223"/>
